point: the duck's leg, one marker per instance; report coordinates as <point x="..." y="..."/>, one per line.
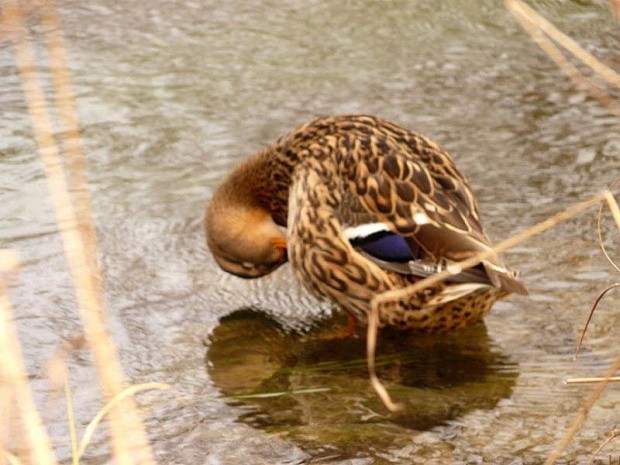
<point x="351" y="324"/>
<point x="342" y="332"/>
<point x="339" y="332"/>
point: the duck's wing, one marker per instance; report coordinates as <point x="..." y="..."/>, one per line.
<point x="409" y="186"/>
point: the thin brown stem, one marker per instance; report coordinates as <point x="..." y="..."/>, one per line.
<point x="589" y="403"/>
<point x="612" y="435"/>
<point x="398" y="294"/>
<point x="596" y="302"/>
<point x="583" y="413"/>
<point x="507" y="244"/>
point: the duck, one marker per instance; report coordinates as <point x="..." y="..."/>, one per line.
<point x="360" y="206"/>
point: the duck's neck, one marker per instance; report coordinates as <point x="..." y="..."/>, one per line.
<point x="248" y="184"/>
<point x="260" y="182"/>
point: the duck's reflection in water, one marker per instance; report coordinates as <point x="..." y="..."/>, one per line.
<point x="437" y="378"/>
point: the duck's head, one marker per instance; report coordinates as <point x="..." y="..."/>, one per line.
<point x="244" y="240"/>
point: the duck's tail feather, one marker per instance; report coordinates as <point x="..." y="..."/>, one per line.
<point x="488" y="273"/>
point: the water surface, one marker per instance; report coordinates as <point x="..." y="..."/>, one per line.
<point x="172" y="95"/>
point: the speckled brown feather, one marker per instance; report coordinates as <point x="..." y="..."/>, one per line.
<point x="348" y="170"/>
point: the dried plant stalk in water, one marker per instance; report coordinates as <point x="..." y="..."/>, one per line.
<point x="535" y="24"/>
<point x="596" y="302"/>
<point x="109" y="407"/>
<point x="608" y="74"/>
<point x="70" y="138"/>
<point x="470" y="262"/>
<point x="541" y="30"/>
<point x="9" y="260"/>
<point x="128" y="438"/>
<point x="15" y="384"/>
<point x="589" y="403"/>
<point x="612" y="435"/>
<point x="615" y="7"/>
<point x="592" y="380"/>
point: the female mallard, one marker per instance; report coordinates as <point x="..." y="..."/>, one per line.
<point x="369" y="207"/>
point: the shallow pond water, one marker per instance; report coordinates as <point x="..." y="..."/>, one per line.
<point x="172" y="95"/>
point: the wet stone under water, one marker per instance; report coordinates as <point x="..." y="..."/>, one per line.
<point x="172" y="95"/>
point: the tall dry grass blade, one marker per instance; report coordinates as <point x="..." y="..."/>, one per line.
<point x="589" y="403"/>
<point x="11" y="458"/>
<point x="615" y="7"/>
<point x="613" y="206"/>
<point x="71" y="417"/>
<point x="533" y="28"/>
<point x="601" y="242"/>
<point x="70" y="137"/>
<point x="7" y="408"/>
<point x="613" y="379"/>
<point x="599" y="228"/>
<point x="504" y="245"/>
<point x="565" y="41"/>
<point x="58" y="375"/>
<point x="583" y="413"/>
<point x="9" y="260"/>
<point x="585" y="328"/>
<point x="128" y="438"/>
<point x="14" y="376"/>
<point x="90" y="429"/>
<point x="398" y="294"/>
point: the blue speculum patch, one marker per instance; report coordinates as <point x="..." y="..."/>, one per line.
<point x="385" y="246"/>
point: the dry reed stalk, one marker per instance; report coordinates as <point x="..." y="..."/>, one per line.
<point x="15" y="384"/>
<point x="9" y="260"/>
<point x="58" y="376"/>
<point x="109" y="407"/>
<point x="70" y="137"/>
<point x="536" y="26"/>
<point x="589" y="403"/>
<point x="608" y="74"/>
<point x="599" y="228"/>
<point x="398" y="294"/>
<point x="127" y="434"/>
<point x="613" y="206"/>
<point x="612" y="435"/>
<point x="11" y="458"/>
<point x="504" y="245"/>
<point x="583" y="413"/>
<point x="591" y="380"/>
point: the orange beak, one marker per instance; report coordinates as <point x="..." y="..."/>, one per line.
<point x="280" y="244"/>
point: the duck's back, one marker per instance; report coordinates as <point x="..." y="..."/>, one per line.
<point x="388" y="173"/>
